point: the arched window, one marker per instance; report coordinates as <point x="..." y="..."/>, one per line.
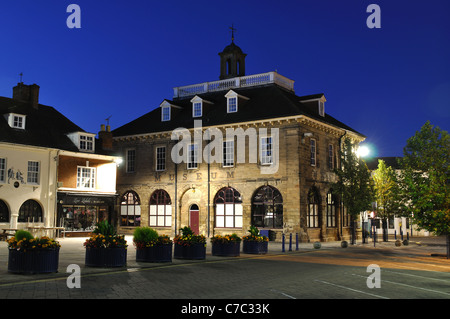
<point x="130" y="209"/>
<point x="331" y="209"/>
<point x="160" y="214"/>
<point x="4" y="212"/>
<point x="313" y="208"/>
<point x="267" y="208"/>
<point x="30" y="211"/>
<point x="228" y="204"/>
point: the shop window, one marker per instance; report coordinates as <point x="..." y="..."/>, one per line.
<point x="130" y="209"/>
<point x="228" y="204"/>
<point x="160" y="214"/>
<point x="267" y="208"/>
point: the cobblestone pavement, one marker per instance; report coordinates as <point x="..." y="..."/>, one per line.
<point x="277" y="275"/>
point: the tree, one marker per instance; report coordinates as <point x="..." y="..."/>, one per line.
<point x="354" y="183"/>
<point x="387" y="194"/>
<point x="426" y="177"/>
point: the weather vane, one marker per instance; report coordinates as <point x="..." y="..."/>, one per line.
<point x="233" y="29"/>
<point x="107" y="120"/>
<point x="21" y="74"/>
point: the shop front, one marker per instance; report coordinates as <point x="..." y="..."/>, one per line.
<point x="79" y="213"/>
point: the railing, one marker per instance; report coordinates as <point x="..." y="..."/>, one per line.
<point x="237" y="82"/>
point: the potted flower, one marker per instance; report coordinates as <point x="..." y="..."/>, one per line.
<point x="228" y="245"/>
<point x="255" y="243"/>
<point x="105" y="248"/>
<point x="151" y="247"/>
<point x="31" y="255"/>
<point x="188" y="245"/>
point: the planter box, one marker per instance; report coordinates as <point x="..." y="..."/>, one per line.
<point x="33" y="261"/>
<point x="227" y="250"/>
<point x="155" y="254"/>
<point x="106" y="257"/>
<point x="196" y="251"/>
<point x="255" y="247"/>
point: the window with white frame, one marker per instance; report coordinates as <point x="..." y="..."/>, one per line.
<point x="192" y="161"/>
<point x="33" y="172"/>
<point x="131" y="161"/>
<point x="228" y="153"/>
<point x="232" y="105"/>
<point x="197" y="109"/>
<point x="313" y="152"/>
<point x="18" y="121"/>
<point x="160" y="158"/>
<point x="86" y="143"/>
<point x="165" y="113"/>
<point x="266" y="150"/>
<point x="2" y="170"/>
<point x="85" y="177"/>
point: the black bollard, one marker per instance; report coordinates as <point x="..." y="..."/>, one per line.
<point x="282" y="244"/>
<point x="290" y="242"/>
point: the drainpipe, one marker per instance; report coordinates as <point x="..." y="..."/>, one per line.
<point x="340" y="166"/>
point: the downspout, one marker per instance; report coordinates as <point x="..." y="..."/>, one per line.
<point x="340" y="206"/>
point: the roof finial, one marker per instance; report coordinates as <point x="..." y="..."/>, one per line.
<point x="21" y="74"/>
<point x="232" y="32"/>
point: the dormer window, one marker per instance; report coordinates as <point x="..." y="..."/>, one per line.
<point x="321" y="108"/>
<point x="317" y="100"/>
<point x="197" y="109"/>
<point x="165" y="113"/>
<point x="85" y="142"/>
<point x="16" y="120"/>
<point x="198" y="105"/>
<point x="232" y="105"/>
<point x="233" y="101"/>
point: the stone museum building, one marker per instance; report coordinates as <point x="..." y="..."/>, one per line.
<point x="221" y="156"/>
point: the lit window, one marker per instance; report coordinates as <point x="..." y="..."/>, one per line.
<point x="33" y="172"/>
<point x="86" y="177"/>
<point x="165" y="113"/>
<point x="197" y="109"/>
<point x="160" y="214"/>
<point x="161" y="158"/>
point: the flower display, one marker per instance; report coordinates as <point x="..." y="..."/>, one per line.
<point x="219" y="239"/>
<point x="28" y="244"/>
<point x="105" y="241"/>
<point x="255" y="236"/>
<point x="188" y="238"/>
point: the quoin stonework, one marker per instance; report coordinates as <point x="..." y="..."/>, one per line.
<point x="221" y="156"/>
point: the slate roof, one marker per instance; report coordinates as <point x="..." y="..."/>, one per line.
<point x="264" y="102"/>
<point x="44" y="126"/>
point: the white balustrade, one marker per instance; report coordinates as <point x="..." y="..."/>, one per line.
<point x="237" y="82"/>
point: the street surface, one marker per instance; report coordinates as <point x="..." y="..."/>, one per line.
<point x="331" y="272"/>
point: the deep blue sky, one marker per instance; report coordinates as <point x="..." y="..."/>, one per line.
<point x="128" y="55"/>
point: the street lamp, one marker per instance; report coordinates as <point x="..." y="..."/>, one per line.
<point x="363" y="151"/>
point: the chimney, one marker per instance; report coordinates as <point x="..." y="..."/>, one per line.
<point x="27" y="93"/>
<point x="106" y="138"/>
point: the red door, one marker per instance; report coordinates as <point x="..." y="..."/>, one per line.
<point x="194" y="219"/>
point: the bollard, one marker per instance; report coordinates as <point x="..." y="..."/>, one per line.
<point x="407" y="235"/>
<point x="290" y="242"/>
<point x="395" y="234"/>
<point x="296" y="241"/>
<point x="282" y="244"/>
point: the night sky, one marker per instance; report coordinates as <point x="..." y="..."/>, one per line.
<point x="128" y="55"/>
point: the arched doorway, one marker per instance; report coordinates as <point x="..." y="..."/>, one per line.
<point x="267" y="208"/>
<point x="194" y="218"/>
